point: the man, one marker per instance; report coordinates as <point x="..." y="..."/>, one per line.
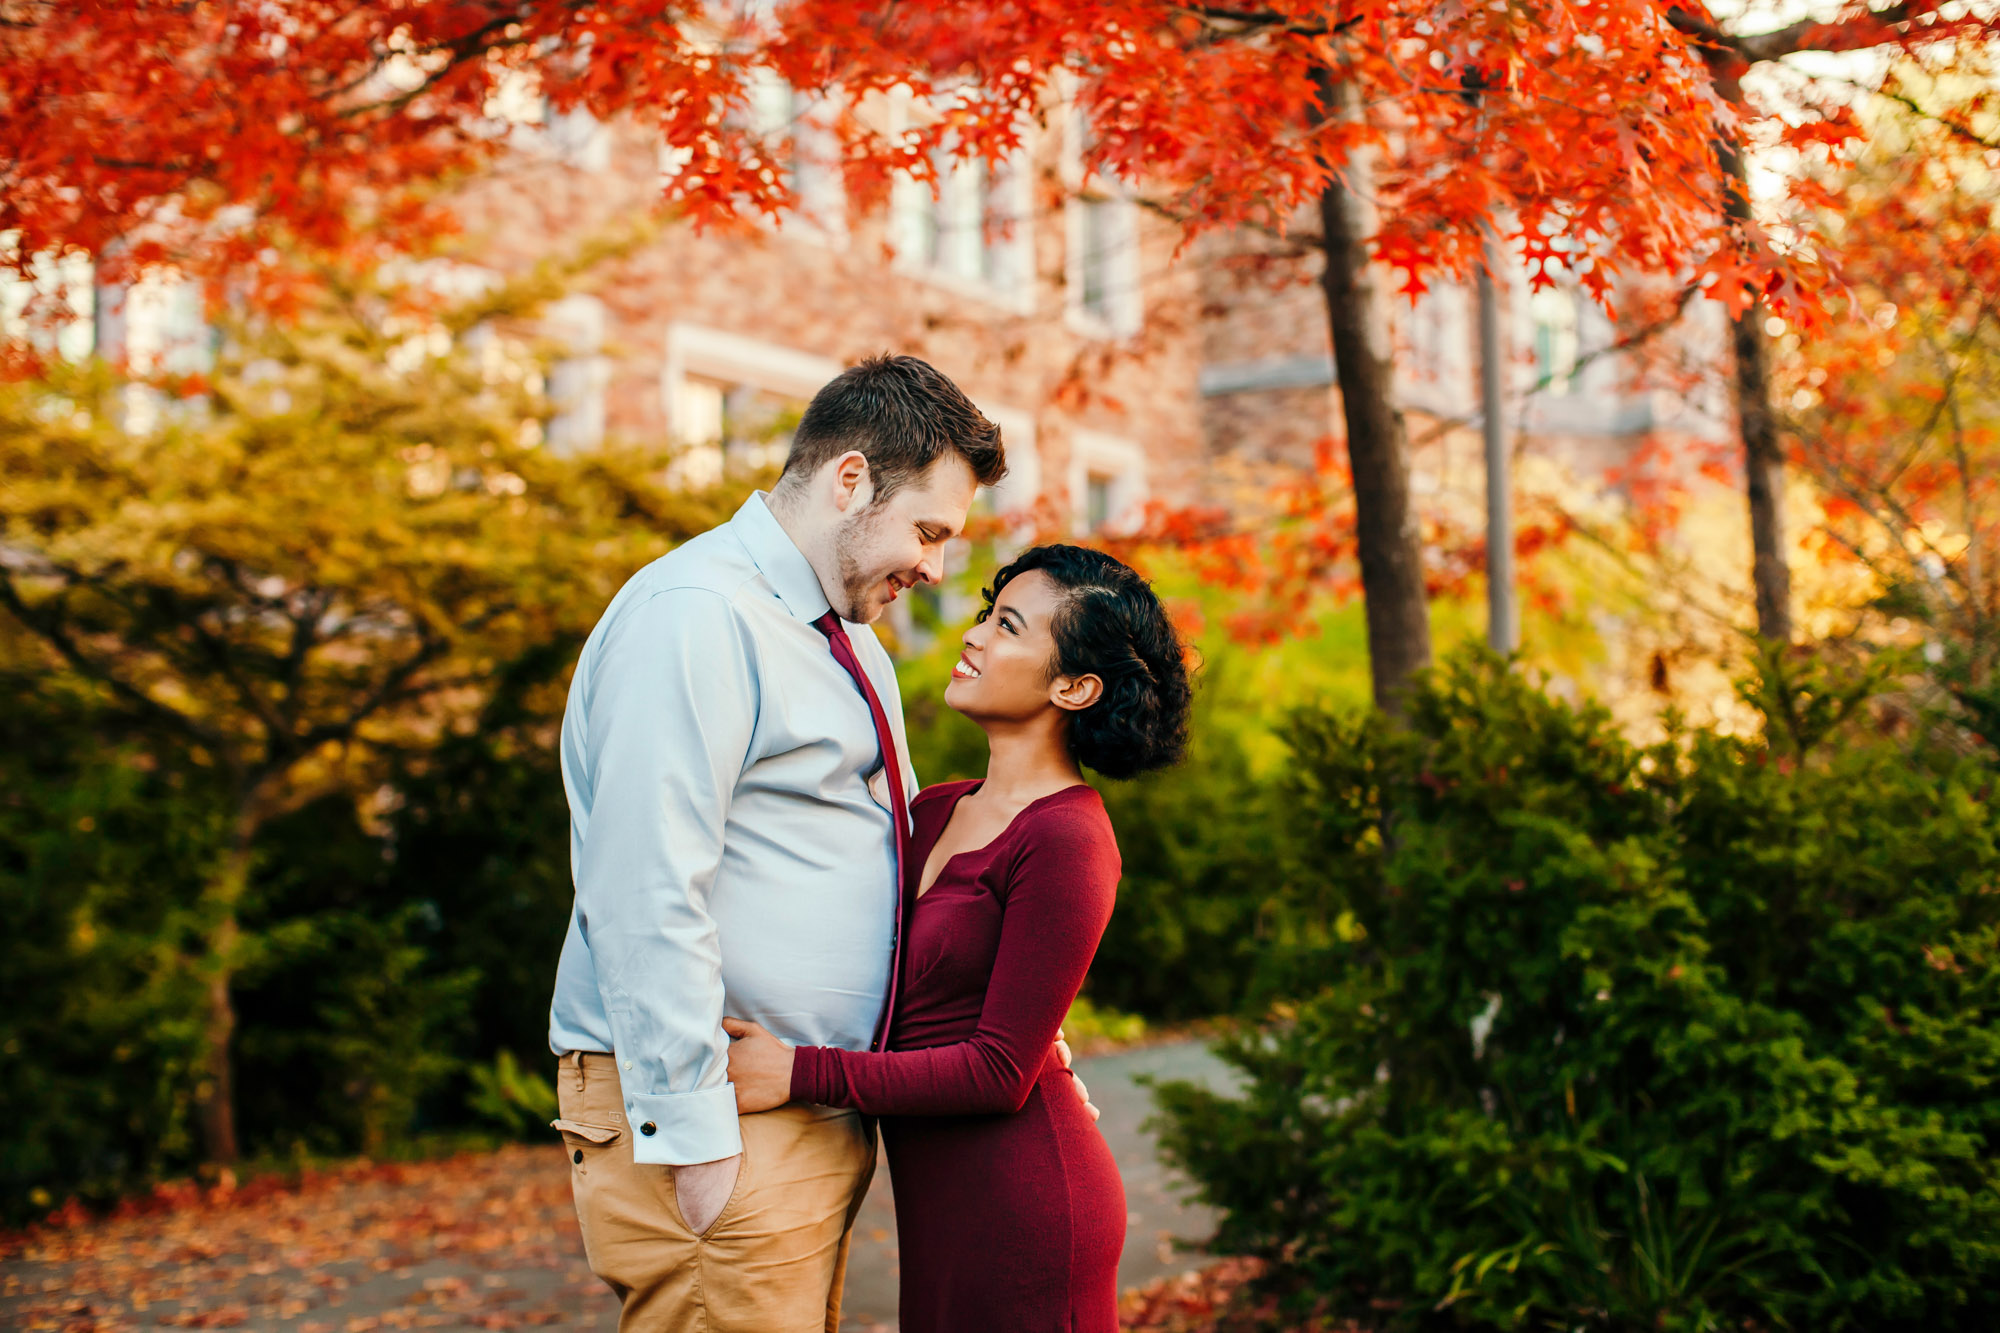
<point x="738" y="783"/>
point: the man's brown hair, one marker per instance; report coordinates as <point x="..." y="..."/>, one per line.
<point x="902" y="415"/>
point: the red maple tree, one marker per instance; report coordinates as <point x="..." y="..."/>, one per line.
<point x="224" y="135"/>
<point x="1893" y="409"/>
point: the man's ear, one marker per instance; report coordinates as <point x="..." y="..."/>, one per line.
<point x="1075" y="693"/>
<point x="853" y="485"/>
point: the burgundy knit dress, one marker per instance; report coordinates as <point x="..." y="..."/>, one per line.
<point x="1009" y="1211"/>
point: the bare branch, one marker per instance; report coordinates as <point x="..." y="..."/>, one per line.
<point x="1241" y="22"/>
<point x="52" y="632"/>
<point x="1858" y="32"/>
<point x="1958" y="129"/>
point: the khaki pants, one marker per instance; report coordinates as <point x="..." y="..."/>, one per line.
<point x="775" y="1258"/>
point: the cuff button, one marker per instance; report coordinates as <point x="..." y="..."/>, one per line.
<point x="576" y="1156"/>
<point x="649" y="1129"/>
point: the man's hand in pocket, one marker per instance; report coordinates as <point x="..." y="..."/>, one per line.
<point x="703" y="1191"/>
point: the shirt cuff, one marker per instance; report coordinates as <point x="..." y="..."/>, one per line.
<point x="682" y="1128"/>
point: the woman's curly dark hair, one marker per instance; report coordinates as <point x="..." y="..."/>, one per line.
<point x="1111" y="625"/>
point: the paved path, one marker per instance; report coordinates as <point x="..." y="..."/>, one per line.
<point x="480" y="1242"/>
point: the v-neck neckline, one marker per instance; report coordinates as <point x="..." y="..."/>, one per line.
<point x="923" y="890"/>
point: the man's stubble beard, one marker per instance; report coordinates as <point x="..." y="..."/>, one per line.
<point x="855" y="583"/>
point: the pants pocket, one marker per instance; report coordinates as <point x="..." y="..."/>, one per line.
<point x="730" y="1206"/>
<point x="584" y="1141"/>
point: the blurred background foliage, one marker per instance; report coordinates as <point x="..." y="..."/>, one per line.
<point x="1548" y="1015"/>
<point x="281" y="837"/>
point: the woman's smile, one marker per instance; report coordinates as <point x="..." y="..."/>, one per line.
<point x="963" y="669"/>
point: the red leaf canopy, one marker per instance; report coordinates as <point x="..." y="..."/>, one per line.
<point x="224" y="134"/>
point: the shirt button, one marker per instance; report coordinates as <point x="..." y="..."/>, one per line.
<point x="649" y="1129"/>
<point x="628" y="1064"/>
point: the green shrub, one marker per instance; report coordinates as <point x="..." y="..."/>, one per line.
<point x="1697" y="1036"/>
<point x="514" y="1100"/>
<point x="383" y="967"/>
<point x="100" y="877"/>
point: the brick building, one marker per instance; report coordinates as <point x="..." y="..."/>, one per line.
<point x="1116" y="373"/>
<point x="1269" y="392"/>
<point x="1062" y="316"/>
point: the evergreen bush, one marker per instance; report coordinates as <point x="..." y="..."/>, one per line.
<point x="1589" y="1035"/>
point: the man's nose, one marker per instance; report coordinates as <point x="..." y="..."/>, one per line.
<point x="931" y="568"/>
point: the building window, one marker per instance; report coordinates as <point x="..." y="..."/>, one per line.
<point x="53" y="310"/>
<point x="519" y="107"/>
<point x="1101" y="235"/>
<point x="578" y="382"/>
<point x="973" y="230"/>
<point x="795" y="134"/>
<point x="1107" y="482"/>
<point x="736" y="397"/>
<point x="1437" y="333"/>
<point x="1103" y="267"/>
<point x="1554" y="315"/>
<point x="724" y="429"/>
<point x="1096" y="501"/>
<point x="730" y="429"/>
<point x="157" y="326"/>
<point x="578" y="139"/>
<point x="697" y="418"/>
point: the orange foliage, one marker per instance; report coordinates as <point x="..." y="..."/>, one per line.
<point x="227" y="134"/>
<point x="1893" y="408"/>
<point x="1283" y="564"/>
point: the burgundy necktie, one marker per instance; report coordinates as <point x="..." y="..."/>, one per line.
<point x="899" y="806"/>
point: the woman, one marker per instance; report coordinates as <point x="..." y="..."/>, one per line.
<point x="1009" y="1210"/>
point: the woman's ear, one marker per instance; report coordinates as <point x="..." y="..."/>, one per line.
<point x="1076" y="693"/>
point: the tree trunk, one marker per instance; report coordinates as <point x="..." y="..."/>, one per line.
<point x="1503" y="611"/>
<point x="1378" y="451"/>
<point x="216" y="1094"/>
<point x="1763" y="459"/>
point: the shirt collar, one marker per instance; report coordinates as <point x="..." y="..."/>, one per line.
<point x="779" y="559"/>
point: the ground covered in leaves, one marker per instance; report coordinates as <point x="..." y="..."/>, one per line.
<point x="484" y="1240"/>
<point x="478" y="1241"/>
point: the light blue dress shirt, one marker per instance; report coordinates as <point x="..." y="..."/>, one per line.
<point x="730" y="851"/>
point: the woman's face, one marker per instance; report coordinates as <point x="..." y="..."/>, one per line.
<point x="1005" y="670"/>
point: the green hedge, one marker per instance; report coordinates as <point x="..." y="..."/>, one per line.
<point x="389" y="966"/>
<point x="100" y="873"/>
<point x="1587" y="1035"/>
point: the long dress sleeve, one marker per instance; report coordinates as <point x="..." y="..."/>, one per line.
<point x="1059" y="895"/>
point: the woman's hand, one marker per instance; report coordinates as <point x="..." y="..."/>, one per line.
<point x="1063" y="1054"/>
<point x="759" y="1065"/>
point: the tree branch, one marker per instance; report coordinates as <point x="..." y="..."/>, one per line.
<point x="1237" y="22"/>
<point x="1855" y="33"/>
<point x="50" y="631"/>
<point x="1958" y="129"/>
